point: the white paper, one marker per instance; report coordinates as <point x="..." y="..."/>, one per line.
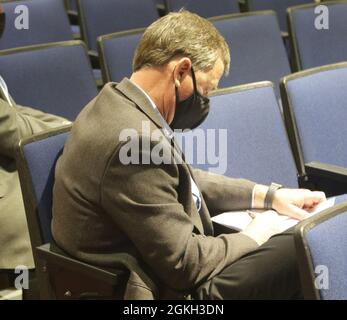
<point x="239" y="220"/>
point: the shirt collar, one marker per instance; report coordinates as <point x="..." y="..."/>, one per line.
<point x="167" y="130"/>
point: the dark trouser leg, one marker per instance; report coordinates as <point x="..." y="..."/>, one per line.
<point x="269" y="272"/>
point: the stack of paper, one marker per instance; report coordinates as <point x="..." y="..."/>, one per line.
<point x="239" y="220"/>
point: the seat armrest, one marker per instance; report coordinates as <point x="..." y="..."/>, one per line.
<point x="73" y="16"/>
<point x="94" y="59"/>
<point x="327" y="177"/>
<point x="58" y="258"/>
<point x="326" y="170"/>
<point x="243" y="6"/>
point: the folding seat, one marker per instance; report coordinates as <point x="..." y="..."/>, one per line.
<point x="243" y="136"/>
<point x="107" y="16"/>
<point x="56" y="78"/>
<point x="256" y="46"/>
<point x="116" y="51"/>
<point x="47" y="21"/>
<point x="314" y="107"/>
<point x="59" y="275"/>
<point x="204" y="8"/>
<point x="318" y="37"/>
<point x="280" y="7"/>
<point x="321" y="252"/>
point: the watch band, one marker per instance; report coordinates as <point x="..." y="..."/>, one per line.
<point x="270" y="194"/>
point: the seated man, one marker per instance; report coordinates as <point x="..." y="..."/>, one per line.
<point x="109" y="198"/>
<point x="16" y="122"/>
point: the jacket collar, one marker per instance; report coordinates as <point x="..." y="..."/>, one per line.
<point x="133" y="93"/>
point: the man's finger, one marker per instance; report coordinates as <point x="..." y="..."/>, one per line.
<point x="297" y="213"/>
<point x="318" y="195"/>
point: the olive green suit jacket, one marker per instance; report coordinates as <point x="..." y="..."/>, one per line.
<point x="102" y="207"/>
<point x="16" y="123"/>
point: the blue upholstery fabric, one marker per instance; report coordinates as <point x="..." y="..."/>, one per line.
<point x="257" y="49"/>
<point x="48" y="22"/>
<point x="320" y="47"/>
<point x="319" y="106"/>
<point x="279" y="6"/>
<point x="57" y="79"/>
<point x="257" y="146"/>
<point x="341" y="198"/>
<point x="205" y="8"/>
<point x="108" y="16"/>
<point x="118" y="53"/>
<point x="41" y="157"/>
<point x="327" y="244"/>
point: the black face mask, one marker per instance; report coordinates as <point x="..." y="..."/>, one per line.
<point x="2" y="21"/>
<point x="192" y="111"/>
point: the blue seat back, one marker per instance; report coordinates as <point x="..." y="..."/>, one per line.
<point x="279" y="6"/>
<point x="205" y="8"/>
<point x="40" y="157"/>
<point x="317" y="100"/>
<point x="316" y="47"/>
<point x="256" y="46"/>
<point x="116" y="52"/>
<point x="56" y="78"/>
<point x="107" y="16"/>
<point x="252" y="143"/>
<point x="327" y="246"/>
<point x="47" y="22"/>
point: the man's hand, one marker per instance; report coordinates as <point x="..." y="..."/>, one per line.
<point x="296" y="203"/>
<point x="263" y="226"/>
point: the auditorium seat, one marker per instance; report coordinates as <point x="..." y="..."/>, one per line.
<point x="315" y="47"/>
<point x="60" y="275"/>
<point x="205" y="8"/>
<point x="256" y="46"/>
<point x="107" y="16"/>
<point x="279" y="6"/>
<point x="116" y="51"/>
<point x="321" y="245"/>
<point x="56" y="78"/>
<point x="314" y="106"/>
<point x="254" y="144"/>
<point x="47" y="22"/>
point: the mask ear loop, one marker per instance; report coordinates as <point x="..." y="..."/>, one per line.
<point x="194" y="80"/>
<point x="197" y="93"/>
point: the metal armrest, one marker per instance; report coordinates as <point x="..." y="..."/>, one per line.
<point x="326" y="171"/>
<point x="73" y="16"/>
<point x="243" y="6"/>
<point x="63" y="277"/>
<point x="327" y="177"/>
<point x="94" y="59"/>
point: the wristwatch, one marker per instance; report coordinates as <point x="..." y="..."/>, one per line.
<point x="270" y="194"/>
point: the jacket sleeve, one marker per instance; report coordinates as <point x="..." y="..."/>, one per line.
<point x="143" y="200"/>
<point x="222" y="193"/>
<point x="9" y="136"/>
<point x="19" y="122"/>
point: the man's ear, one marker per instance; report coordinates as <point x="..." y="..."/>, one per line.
<point x="182" y="69"/>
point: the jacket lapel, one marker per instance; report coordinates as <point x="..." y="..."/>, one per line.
<point x="133" y="93"/>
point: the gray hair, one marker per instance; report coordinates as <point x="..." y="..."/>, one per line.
<point x="182" y="34"/>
